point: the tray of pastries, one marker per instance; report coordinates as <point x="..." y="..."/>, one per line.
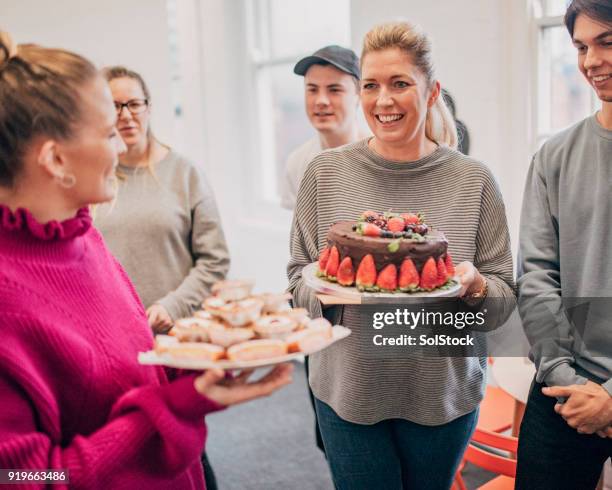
<point x="236" y="329"/>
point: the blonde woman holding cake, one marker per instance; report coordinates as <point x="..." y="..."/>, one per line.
<point x="74" y="396"/>
<point x="400" y="423"/>
<point x="163" y="227"/>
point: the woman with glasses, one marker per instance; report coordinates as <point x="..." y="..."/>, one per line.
<point x="163" y="226"/>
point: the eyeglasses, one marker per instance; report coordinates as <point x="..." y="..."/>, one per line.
<point x="135" y="106"/>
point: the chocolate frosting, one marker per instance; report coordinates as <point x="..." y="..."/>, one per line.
<point x="352" y="244"/>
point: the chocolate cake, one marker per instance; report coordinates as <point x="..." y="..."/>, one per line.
<point x="356" y="246"/>
<point x="386" y="252"/>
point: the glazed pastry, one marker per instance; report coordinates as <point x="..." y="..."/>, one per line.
<point x="232" y="290"/>
<point x="193" y="350"/>
<point x="191" y="330"/>
<point x="300" y="315"/>
<point x="204" y="315"/>
<point x="226" y="336"/>
<point x="257" y="349"/>
<point x="274" y="303"/>
<point x="241" y="313"/>
<point x="317" y="333"/>
<point x="274" y="326"/>
<point x="212" y="305"/>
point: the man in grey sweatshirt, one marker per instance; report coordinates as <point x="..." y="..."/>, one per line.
<point x="565" y="281"/>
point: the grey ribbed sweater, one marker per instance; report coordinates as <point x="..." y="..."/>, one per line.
<point x="164" y="229"/>
<point x="460" y="197"/>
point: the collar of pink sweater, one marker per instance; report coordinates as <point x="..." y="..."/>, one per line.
<point x="23" y="236"/>
<point x="22" y="220"/>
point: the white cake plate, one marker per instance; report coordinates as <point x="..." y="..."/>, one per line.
<point x="354" y="296"/>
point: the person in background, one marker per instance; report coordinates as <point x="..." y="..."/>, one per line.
<point x="163" y="227"/>
<point x="566" y="264"/>
<point x="73" y="394"/>
<point x="400" y="422"/>
<point x="463" y="135"/>
<point x="331" y="96"/>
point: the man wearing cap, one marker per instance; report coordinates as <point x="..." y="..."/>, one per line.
<point x="331" y="84"/>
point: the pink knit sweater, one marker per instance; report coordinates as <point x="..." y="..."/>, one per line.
<point x="72" y="394"/>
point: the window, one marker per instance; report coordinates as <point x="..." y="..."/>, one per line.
<point x="563" y="96"/>
<point x="281" y="33"/>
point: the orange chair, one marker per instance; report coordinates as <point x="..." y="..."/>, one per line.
<point x="496" y="415"/>
<point x="490" y="461"/>
<point x="496" y="410"/>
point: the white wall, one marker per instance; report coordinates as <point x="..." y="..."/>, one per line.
<point x="258" y="241"/>
<point x="133" y="33"/>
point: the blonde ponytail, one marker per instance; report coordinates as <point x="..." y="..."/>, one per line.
<point x="440" y="125"/>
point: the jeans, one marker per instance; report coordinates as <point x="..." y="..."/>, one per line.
<point x="393" y="454"/>
<point x="553" y="455"/>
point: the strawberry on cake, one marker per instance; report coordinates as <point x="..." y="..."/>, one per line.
<point x="387" y="252"/>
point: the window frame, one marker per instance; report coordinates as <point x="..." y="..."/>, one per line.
<point x="260" y="58"/>
<point x="542" y="22"/>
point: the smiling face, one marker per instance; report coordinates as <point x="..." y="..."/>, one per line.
<point x="331" y="98"/>
<point x="133" y="128"/>
<point x="91" y="153"/>
<point x="593" y="40"/>
<point x="395" y="97"/>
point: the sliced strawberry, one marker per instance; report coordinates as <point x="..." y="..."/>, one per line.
<point x="408" y="276"/>
<point x="387" y="279"/>
<point x="410" y="218"/>
<point x="370" y="229"/>
<point x="450" y="267"/>
<point x="429" y="275"/>
<point x="346" y="273"/>
<point x="396" y="224"/>
<point x="366" y="273"/>
<point x="442" y="274"/>
<point x="369" y="214"/>
<point x="333" y="262"/>
<point x="323" y="257"/>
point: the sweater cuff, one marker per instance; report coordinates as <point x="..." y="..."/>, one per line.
<point x="186" y="402"/>
<point x="608" y="386"/>
<point x="172" y="306"/>
<point x="563" y="375"/>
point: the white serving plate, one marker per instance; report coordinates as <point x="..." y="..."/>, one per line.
<point x="153" y="358"/>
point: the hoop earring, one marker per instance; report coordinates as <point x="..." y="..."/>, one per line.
<point x="66" y="180"/>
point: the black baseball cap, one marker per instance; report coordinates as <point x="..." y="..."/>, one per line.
<point x="342" y="58"/>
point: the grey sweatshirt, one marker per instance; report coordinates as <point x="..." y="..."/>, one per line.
<point x="565" y="266"/>
<point x="457" y="194"/>
<point x="164" y="229"/>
